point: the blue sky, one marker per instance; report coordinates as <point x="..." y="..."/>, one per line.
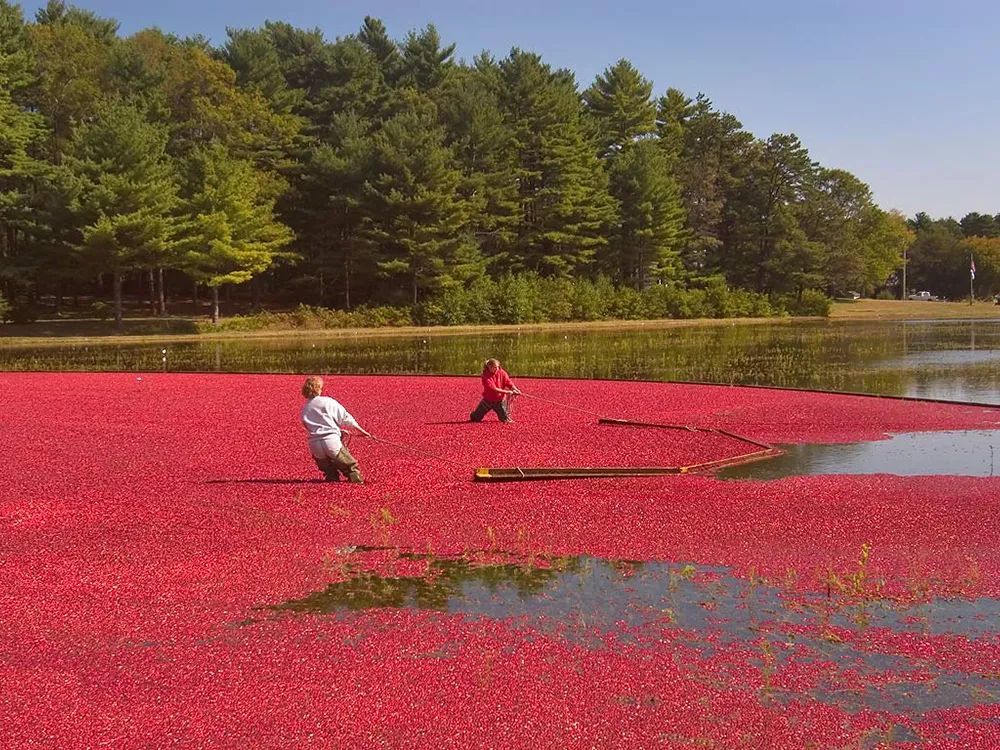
<point x="906" y="95"/>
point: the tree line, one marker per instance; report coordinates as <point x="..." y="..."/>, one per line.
<point x="367" y="170"/>
<point x="943" y="251"/>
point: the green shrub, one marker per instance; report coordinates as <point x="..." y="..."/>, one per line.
<point x="592" y="300"/>
<point x="382" y="316"/>
<point x="811" y="302"/>
<point x="459" y="305"/>
<point x="529" y="298"/>
<point x="743" y="303"/>
<point x="306" y="317"/>
<point x="554" y="299"/>
<point x="627" y="304"/>
<point x="664" y="301"/>
<point x="4" y="308"/>
<point x="515" y="300"/>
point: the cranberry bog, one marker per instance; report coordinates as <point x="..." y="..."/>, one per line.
<point x="175" y="574"/>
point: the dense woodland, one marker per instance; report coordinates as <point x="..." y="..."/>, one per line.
<point x="287" y="168"/>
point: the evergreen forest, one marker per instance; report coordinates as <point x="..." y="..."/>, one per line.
<point x="377" y="178"/>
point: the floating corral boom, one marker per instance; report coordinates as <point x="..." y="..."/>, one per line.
<point x="506" y="474"/>
<point x="717" y="430"/>
<point x="516" y="474"/>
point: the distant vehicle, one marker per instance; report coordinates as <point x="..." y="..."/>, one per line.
<point x="853" y="295"/>
<point x="923" y="296"/>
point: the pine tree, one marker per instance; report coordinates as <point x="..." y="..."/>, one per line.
<point x="483" y="147"/>
<point x="386" y="52"/>
<point x="20" y="133"/>
<point x="835" y="209"/>
<point x="767" y="249"/>
<point x="230" y="232"/>
<point x="416" y="221"/>
<point x="16" y="61"/>
<point x="647" y="240"/>
<point x="127" y="193"/>
<point x="253" y="56"/>
<point x="710" y="154"/>
<point x="563" y="189"/>
<point x="975" y="224"/>
<point x="426" y="64"/>
<point x="619" y="100"/>
<point x="57" y="12"/>
<point x="353" y="85"/>
<point x="673" y="111"/>
<point x="328" y="208"/>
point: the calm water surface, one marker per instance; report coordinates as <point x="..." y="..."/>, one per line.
<point x="972" y="453"/>
<point x="600" y="604"/>
<point x="937" y="359"/>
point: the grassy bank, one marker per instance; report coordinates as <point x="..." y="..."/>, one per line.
<point x="880" y="309"/>
<point x="144" y="329"/>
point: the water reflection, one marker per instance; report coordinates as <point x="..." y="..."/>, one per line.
<point x="929" y="359"/>
<point x="597" y="603"/>
<point x="974" y="453"/>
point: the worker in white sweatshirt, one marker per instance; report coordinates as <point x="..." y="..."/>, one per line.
<point x="324" y="419"/>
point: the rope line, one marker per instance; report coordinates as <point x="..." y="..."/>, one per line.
<point x="600" y="417"/>
<point x="418" y="451"/>
<point x="559" y="403"/>
<point x="634" y="423"/>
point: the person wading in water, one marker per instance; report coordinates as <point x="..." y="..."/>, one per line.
<point x="324" y="419"/>
<point x="498" y="388"/>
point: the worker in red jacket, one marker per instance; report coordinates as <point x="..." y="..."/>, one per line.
<point x="497" y="389"/>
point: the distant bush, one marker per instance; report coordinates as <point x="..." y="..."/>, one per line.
<point x="715" y="300"/>
<point x="306" y="317"/>
<point x="811" y="302"/>
<point x="529" y="298"/>
<point x="4" y="308"/>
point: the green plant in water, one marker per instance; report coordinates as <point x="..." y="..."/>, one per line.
<point x="382" y="521"/>
<point x="857" y="584"/>
<point x="767" y="664"/>
<point x="492" y="541"/>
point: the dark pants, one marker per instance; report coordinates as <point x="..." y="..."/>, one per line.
<point x="343" y="463"/>
<point x="500" y="407"/>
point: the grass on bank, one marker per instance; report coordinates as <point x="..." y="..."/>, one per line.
<point x="894" y="309"/>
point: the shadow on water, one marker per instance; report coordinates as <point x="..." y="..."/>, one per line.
<point x="974" y="453"/>
<point x="599" y="604"/>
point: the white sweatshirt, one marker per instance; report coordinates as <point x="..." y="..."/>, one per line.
<point x="323" y="418"/>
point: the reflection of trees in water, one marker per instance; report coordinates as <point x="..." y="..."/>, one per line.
<point x="442" y="582"/>
<point x="834" y="355"/>
<point x="965" y="452"/>
<point x="703" y="607"/>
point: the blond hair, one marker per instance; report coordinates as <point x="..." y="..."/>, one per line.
<point x="312" y="387"/>
<point x="491" y="361"/>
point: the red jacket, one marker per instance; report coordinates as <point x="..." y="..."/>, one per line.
<point x="492" y="381"/>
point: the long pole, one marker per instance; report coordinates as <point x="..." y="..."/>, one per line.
<point x="972" y="277"/>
